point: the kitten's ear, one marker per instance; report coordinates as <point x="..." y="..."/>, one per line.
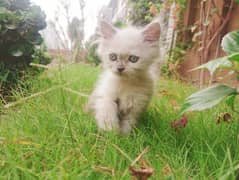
<point x="107" y="31"/>
<point x="151" y="32"/>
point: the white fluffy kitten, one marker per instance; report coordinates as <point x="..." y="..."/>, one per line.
<point x="126" y="84"/>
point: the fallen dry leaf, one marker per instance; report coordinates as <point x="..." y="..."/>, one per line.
<point x="143" y="173"/>
<point x="167" y="171"/>
<point x="165" y="93"/>
<point x="178" y="124"/>
<point x="226" y="117"/>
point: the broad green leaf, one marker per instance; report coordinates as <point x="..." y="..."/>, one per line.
<point x="17" y="53"/>
<point x="207" y="98"/>
<point x="213" y="65"/>
<point x="234" y="57"/>
<point x="230" y="42"/>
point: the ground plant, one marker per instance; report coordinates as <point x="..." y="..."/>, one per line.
<point x="211" y="96"/>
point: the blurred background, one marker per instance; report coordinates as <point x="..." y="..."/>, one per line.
<point x="38" y="33"/>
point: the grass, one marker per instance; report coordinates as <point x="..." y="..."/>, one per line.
<point x="50" y="136"/>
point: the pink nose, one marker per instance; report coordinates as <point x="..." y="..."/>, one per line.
<point x="121" y="69"/>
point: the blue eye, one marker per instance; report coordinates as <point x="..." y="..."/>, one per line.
<point x="133" y="58"/>
<point x="113" y="56"/>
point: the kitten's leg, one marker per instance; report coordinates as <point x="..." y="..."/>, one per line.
<point x="127" y="123"/>
<point x="130" y="117"/>
<point x="106" y="114"/>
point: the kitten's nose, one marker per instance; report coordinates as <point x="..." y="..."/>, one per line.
<point x="121" y="69"/>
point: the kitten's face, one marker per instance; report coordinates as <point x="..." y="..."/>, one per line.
<point x="128" y="51"/>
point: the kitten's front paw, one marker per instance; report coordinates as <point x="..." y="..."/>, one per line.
<point x="125" y="127"/>
<point x="108" y="123"/>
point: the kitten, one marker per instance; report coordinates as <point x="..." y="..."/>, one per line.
<point x="126" y="85"/>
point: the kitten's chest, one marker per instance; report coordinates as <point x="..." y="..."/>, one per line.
<point x="130" y="94"/>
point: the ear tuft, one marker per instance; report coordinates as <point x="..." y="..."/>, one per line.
<point x="151" y="32"/>
<point x="107" y="30"/>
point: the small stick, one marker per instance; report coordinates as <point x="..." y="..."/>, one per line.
<point x="39" y="65"/>
<point x="32" y="96"/>
<point x="140" y="156"/>
<point x="104" y="170"/>
<point x="75" y="92"/>
<point x="122" y="152"/>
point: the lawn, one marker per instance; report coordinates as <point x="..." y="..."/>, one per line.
<point x="50" y="136"/>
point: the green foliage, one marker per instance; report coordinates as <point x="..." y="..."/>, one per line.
<point x="40" y="56"/>
<point x="120" y="24"/>
<point x="92" y="56"/>
<point x="20" y="23"/>
<point x="182" y="3"/>
<point x="174" y="59"/>
<point x="140" y="14"/>
<point x="211" y="96"/>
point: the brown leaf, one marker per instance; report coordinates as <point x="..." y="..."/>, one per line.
<point x="226" y="117"/>
<point x="178" y="124"/>
<point x="167" y="171"/>
<point x="141" y="174"/>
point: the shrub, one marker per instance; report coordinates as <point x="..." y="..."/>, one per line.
<point x="20" y="40"/>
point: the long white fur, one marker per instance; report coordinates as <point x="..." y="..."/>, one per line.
<point x="118" y="99"/>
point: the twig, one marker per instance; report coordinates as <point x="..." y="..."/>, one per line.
<point x="104" y="170"/>
<point x="140" y="156"/>
<point x="203" y="29"/>
<point x="216" y="34"/>
<point x="214" y="4"/>
<point x="39" y="65"/>
<point x="136" y="160"/>
<point x="33" y="96"/>
<point x="75" y="92"/>
<point x="122" y="152"/>
<point x="3" y="100"/>
<point x="220" y="28"/>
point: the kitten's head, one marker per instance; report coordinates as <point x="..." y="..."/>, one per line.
<point x="130" y="50"/>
